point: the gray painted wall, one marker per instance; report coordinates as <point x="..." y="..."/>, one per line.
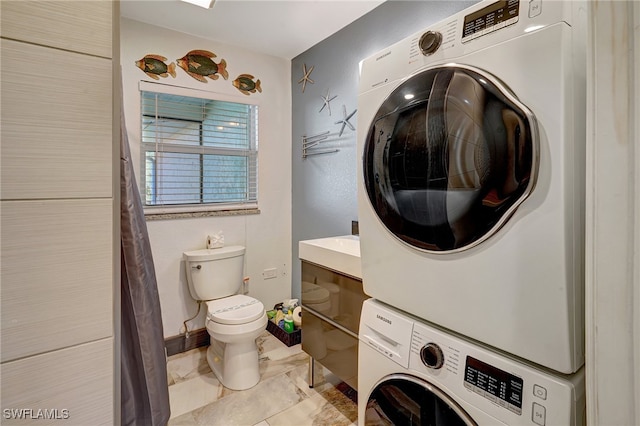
<point x="324" y="186"/>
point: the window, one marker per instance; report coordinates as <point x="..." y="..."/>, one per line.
<point x="198" y="151"/>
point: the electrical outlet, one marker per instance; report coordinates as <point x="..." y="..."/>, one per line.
<point x="269" y="273"/>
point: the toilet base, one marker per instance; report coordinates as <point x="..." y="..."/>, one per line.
<point x="234" y="364"/>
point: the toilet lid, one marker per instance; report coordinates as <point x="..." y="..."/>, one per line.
<point x="238" y="309"/>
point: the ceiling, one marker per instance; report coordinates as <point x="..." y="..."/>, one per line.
<point x="282" y="28"/>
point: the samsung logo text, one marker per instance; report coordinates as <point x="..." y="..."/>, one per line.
<point x="383" y="55"/>
<point x="381" y="318"/>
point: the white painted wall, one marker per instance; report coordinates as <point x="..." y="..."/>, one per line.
<point x="267" y="236"/>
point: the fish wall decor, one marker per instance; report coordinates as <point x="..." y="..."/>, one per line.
<point x="199" y="64"/>
<point x="155" y="67"/>
<point x="245" y="84"/>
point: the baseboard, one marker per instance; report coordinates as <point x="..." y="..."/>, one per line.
<point x="180" y="343"/>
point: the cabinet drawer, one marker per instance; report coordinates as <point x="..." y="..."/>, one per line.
<point x="332" y="347"/>
<point x="333" y="295"/>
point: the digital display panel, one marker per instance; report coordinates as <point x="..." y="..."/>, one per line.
<point x="490" y="18"/>
<point x="497" y="385"/>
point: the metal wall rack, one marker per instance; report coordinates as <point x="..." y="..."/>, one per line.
<point x="310" y="144"/>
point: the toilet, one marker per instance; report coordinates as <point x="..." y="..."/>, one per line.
<point x="234" y="321"/>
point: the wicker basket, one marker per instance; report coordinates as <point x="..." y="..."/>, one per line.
<point x="288" y="339"/>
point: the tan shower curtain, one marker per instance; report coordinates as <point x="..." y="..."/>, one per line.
<point x="144" y="389"/>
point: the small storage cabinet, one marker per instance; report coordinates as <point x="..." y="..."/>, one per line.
<point x="331" y="305"/>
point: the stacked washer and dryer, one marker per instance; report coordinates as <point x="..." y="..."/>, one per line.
<point x="471" y="189"/>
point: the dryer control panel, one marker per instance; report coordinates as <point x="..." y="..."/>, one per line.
<point x="489" y="19"/>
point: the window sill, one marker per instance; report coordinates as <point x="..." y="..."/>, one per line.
<point x="149" y="216"/>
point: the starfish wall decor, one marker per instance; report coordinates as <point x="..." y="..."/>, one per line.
<point x="305" y="77"/>
<point x="345" y="120"/>
<point x="326" y="100"/>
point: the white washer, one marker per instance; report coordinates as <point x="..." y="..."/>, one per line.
<point x="471" y="181"/>
<point x="410" y="372"/>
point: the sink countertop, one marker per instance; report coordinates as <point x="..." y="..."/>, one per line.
<point x="341" y="253"/>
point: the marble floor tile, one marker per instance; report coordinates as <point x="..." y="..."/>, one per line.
<point x="270" y="368"/>
<point x="267" y="342"/>
<point x="248" y="407"/>
<point x="323" y="379"/>
<point x="312" y="411"/>
<point x="186" y="419"/>
<point x="191" y="394"/>
<point x="187" y="365"/>
<point x="282" y="397"/>
<point x="338" y="400"/>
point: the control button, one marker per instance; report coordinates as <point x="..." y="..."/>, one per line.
<point x="538" y="414"/>
<point x="539" y="391"/>
<point x="535" y="8"/>
<point x="432" y="356"/>
<point x="430" y="42"/>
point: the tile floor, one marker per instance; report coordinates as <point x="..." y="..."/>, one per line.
<point x="282" y="397"/>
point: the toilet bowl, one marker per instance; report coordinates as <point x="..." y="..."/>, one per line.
<point x="234" y="323"/>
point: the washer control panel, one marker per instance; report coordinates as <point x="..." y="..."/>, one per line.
<point x="511" y="391"/>
<point x="499" y="386"/>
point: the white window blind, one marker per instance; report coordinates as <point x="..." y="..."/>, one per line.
<point x="198" y="151"/>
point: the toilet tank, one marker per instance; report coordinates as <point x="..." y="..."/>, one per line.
<point x="214" y="273"/>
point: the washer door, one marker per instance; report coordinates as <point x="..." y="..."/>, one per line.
<point x="449" y="156"/>
<point x="404" y="400"/>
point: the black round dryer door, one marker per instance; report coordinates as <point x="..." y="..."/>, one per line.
<point x="405" y="400"/>
<point x="449" y="156"/>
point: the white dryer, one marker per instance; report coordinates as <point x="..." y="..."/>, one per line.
<point x="471" y="136"/>
<point x="413" y="373"/>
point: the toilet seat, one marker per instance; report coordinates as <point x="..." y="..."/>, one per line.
<point x="235" y="310"/>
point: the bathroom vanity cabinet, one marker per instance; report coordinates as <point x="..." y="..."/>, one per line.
<point x="331" y="298"/>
